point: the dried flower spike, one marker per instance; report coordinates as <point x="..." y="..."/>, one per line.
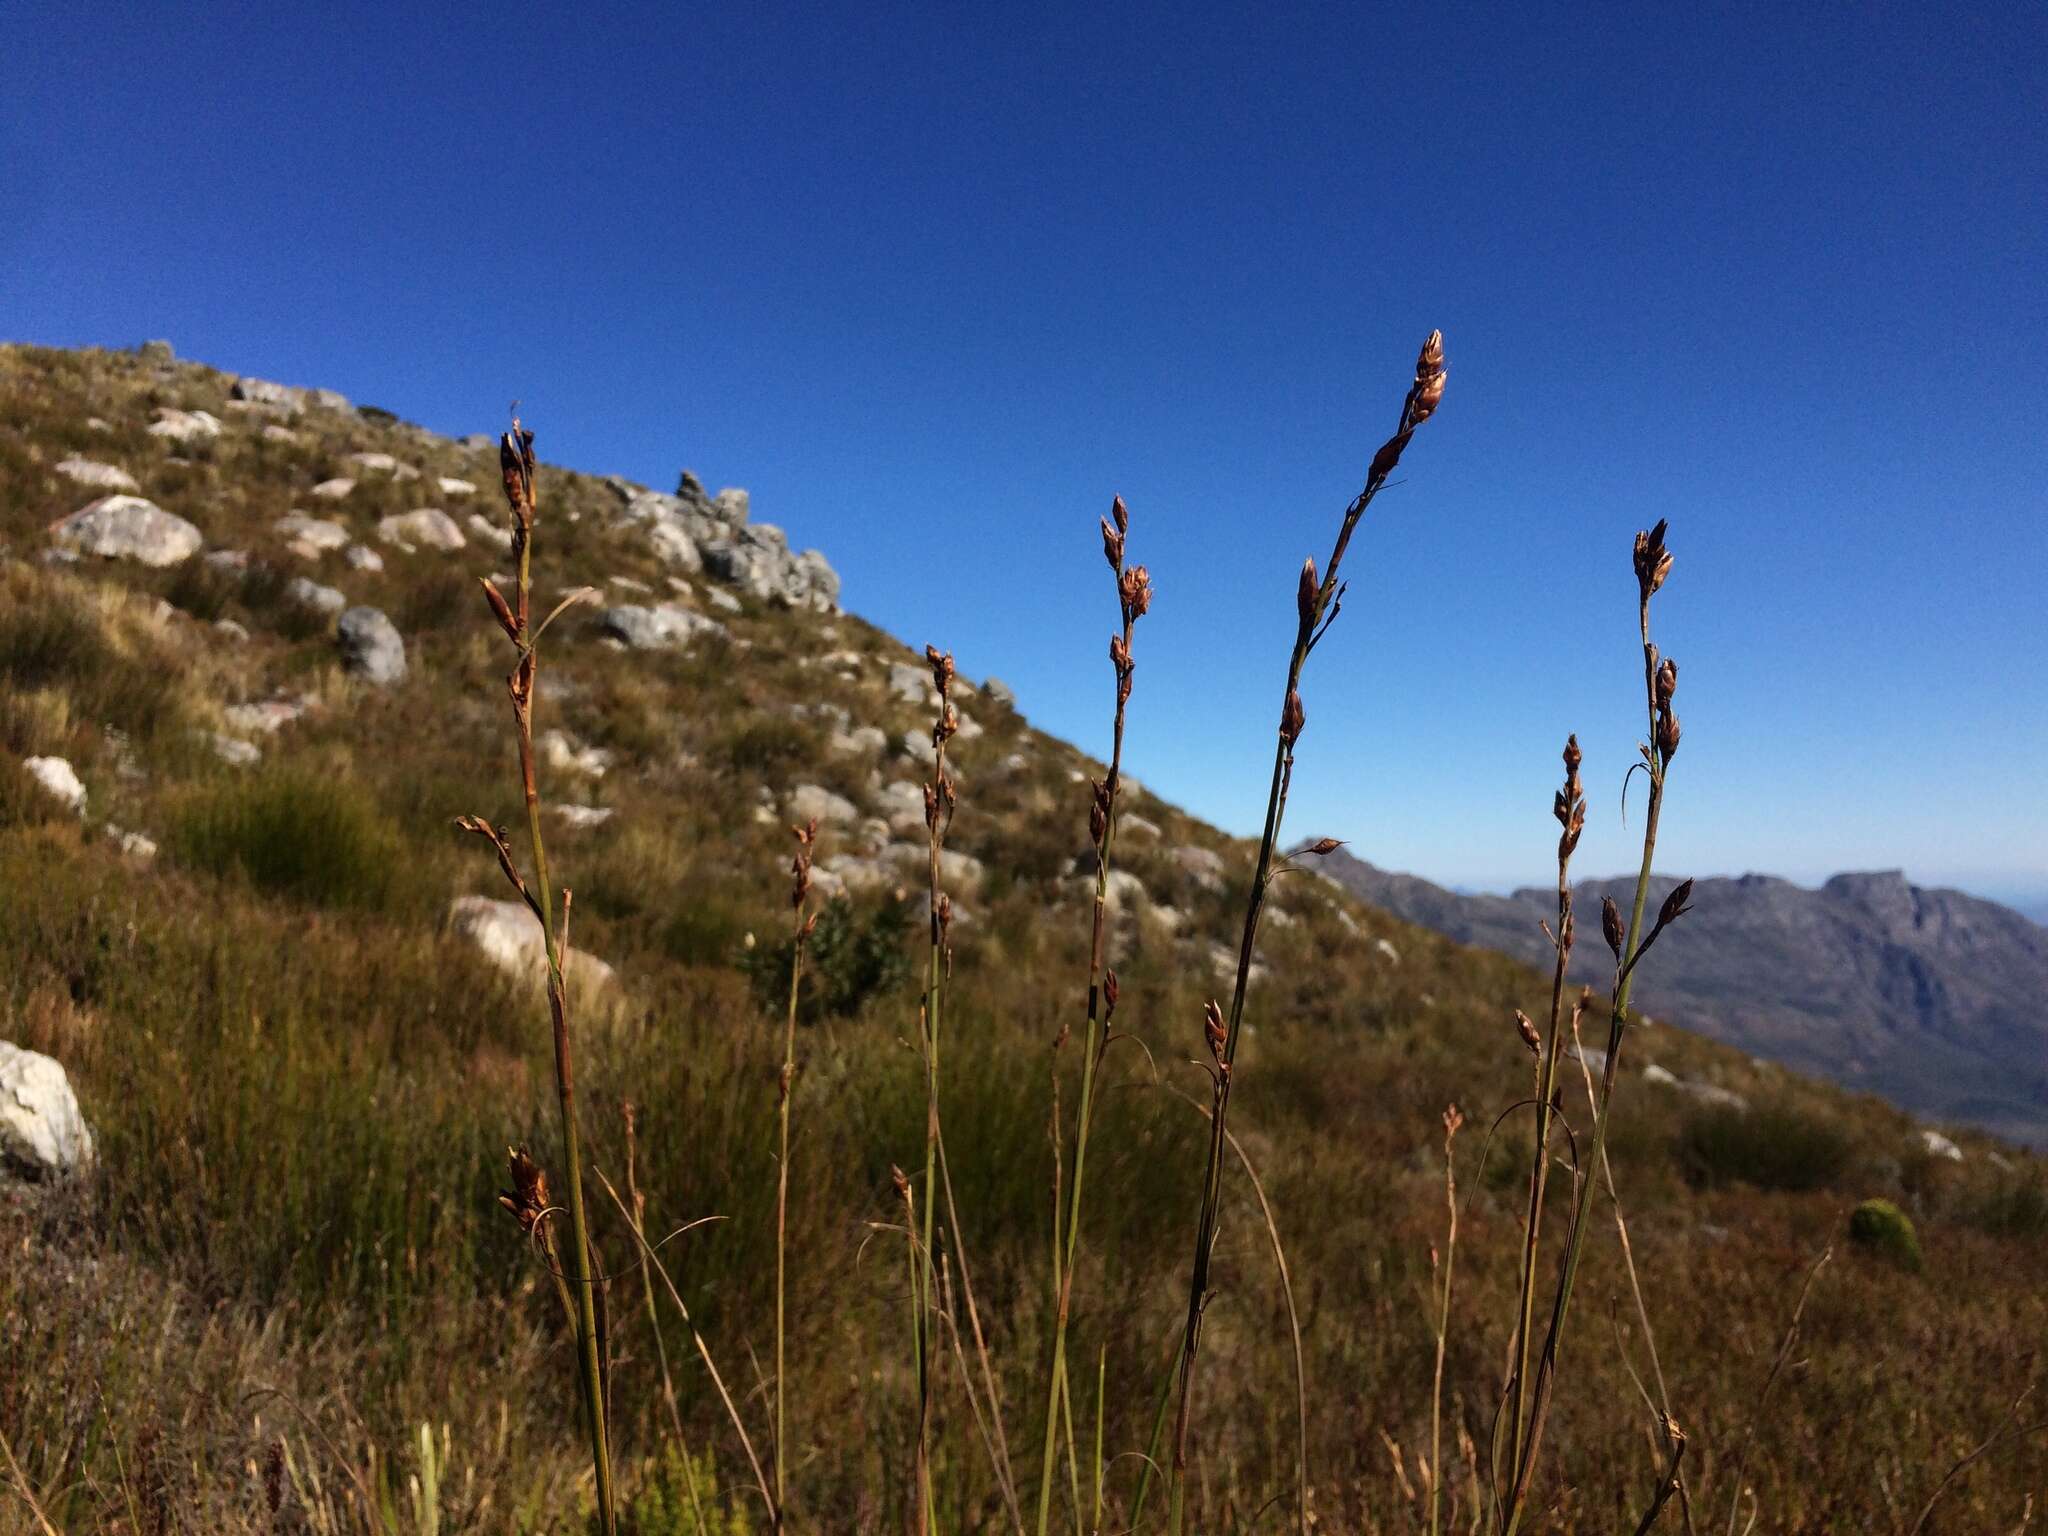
<point x="1653" y="560"/>
<point x="1527" y="1029"/>
<point x="1611" y="927"/>
<point x="1293" y="717"/>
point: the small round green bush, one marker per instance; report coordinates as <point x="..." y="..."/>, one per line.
<point x="1884" y="1229"/>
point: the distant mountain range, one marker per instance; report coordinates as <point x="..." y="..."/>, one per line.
<point x="1934" y="999"/>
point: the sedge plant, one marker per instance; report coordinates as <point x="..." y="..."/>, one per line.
<point x="1134" y="598"/>
<point x="516" y="464"/>
<point x="1318" y="602"/>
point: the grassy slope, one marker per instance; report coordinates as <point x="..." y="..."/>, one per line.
<point x="303" y="1088"/>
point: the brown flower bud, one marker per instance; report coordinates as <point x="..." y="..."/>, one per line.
<point x="1572" y="756"/>
<point x="1213" y="1030"/>
<point x="527" y="1199"/>
<point x="1098" y="822"/>
<point x="1122" y="517"/>
<point x="1306" y="593"/>
<point x="1527" y="1029"/>
<point x="931" y="805"/>
<point x="1653" y="561"/>
<point x="1324" y="845"/>
<point x="1428" y="392"/>
<point x="1134" y="589"/>
<point x="1112" y="546"/>
<point x="1667" y="682"/>
<point x="1109" y="993"/>
<point x="1676" y="904"/>
<point x="1292" y="718"/>
<point x="942" y="667"/>
<point x="500" y="609"/>
<point x="1611" y="927"/>
<point x="1667" y="735"/>
<point x="902" y="1184"/>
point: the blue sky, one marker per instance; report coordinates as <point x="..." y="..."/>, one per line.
<point x="935" y="282"/>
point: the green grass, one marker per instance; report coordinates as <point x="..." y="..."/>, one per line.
<point x="293" y="833"/>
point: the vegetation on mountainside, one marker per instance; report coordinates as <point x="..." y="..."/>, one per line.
<point x="291" y="1256"/>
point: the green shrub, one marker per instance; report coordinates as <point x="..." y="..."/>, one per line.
<point x="1774" y="1146"/>
<point x="1884" y="1229"/>
<point x="317" y="838"/>
<point x="663" y="1504"/>
<point x="852" y="956"/>
<point x="2018" y="1207"/>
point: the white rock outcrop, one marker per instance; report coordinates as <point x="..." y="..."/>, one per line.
<point x="42" y="1133"/>
<point x="105" y="477"/>
<point x="510" y="936"/>
<point x="60" y="779"/>
<point x="128" y="528"/>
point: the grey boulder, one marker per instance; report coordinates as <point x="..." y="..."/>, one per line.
<point x="371" y="646"/>
<point x="128" y="528"/>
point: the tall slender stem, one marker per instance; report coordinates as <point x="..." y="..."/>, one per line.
<point x="1317" y="605"/>
<point x="1134" y="599"/>
<point x="799" y="890"/>
<point x="517" y="458"/>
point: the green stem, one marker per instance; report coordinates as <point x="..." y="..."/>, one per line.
<point x="1624" y="983"/>
<point x="565" y="1076"/>
<point x="788" y="1084"/>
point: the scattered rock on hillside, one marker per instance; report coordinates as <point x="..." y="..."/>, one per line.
<point x="903" y="805"/>
<point x="583" y="817"/>
<point x="450" y="486"/>
<point x="232" y="750"/>
<point x="371" y="646"/>
<point x="361" y="557"/>
<point x="273" y="433"/>
<point x="718" y="598"/>
<point x="60" y="779"/>
<point x="957" y="871"/>
<point x="128" y="528"/>
<point x="911" y="683"/>
<point x="490" y="532"/>
<point x="309" y="536"/>
<point x="379" y="463"/>
<point x="263" y="392"/>
<point x="1937" y="1145"/>
<point x="428" y="526"/>
<point x="185" y="426"/>
<point x="1204" y="866"/>
<point x="999" y="692"/>
<point x="665" y="626"/>
<point x="134" y="844"/>
<point x="809" y="802"/>
<point x="42" y="1133"/>
<point x="510" y="936"/>
<point x="867" y="740"/>
<point x="104" y="477"/>
<point x="1138" y="826"/>
<point x="266" y="718"/>
<point x="335" y="489"/>
<point x="1704" y="1093"/>
<point x="310" y="594"/>
<point x="560" y="752"/>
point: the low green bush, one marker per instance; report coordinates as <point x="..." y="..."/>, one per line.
<point x="1773" y="1146"/>
<point x="1882" y="1228"/>
<point x="317" y="839"/>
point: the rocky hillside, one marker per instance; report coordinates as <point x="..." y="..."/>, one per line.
<point x="1932" y="998"/>
<point x="273" y="1012"/>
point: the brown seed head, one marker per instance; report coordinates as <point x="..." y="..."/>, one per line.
<point x="1572" y="756"/>
<point x="902" y="1184"/>
<point x="1122" y="517"/>
<point x="1293" y="716"/>
<point x="1454" y="1120"/>
<point x="1527" y="1029"/>
<point x="1428" y="392"/>
<point x="1134" y="587"/>
<point x="1098" y="821"/>
<point x="1324" y="845"/>
<point x="942" y="667"/>
<point x="1652" y="559"/>
<point x="1109" y="993"/>
<point x="1611" y="927"/>
<point x="527" y="1199"/>
<point x="1112" y="546"/>
<point x="1667" y="735"/>
<point x="1305" y="593"/>
<point x="1667" y="682"/>
<point x="1676" y="905"/>
<point x="1213" y="1030"/>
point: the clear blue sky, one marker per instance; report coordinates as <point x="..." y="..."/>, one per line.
<point x="935" y="282"/>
